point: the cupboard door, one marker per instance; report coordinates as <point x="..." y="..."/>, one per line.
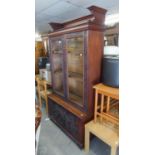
<point x="57" y="66"/>
<point x="75" y="65"/>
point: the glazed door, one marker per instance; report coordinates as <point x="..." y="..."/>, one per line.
<point x="57" y="66"/>
<point x="75" y="68"/>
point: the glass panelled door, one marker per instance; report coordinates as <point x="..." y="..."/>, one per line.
<point x="57" y="62"/>
<point x="75" y="59"/>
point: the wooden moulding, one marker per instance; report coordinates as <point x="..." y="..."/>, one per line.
<point x="78" y="20"/>
<point x="97" y="16"/>
<point x="67" y="106"/>
<point x="77" y="29"/>
<point x="56" y="26"/>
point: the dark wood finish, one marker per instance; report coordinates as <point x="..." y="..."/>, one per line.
<point x="94" y="21"/>
<point x="69" y="107"/>
<point x="98" y="14"/>
<point x="95" y="54"/>
<point x="75" y="21"/>
<point x="56" y="26"/>
<point x="82" y="40"/>
<point x="79" y="28"/>
<point x="72" y="125"/>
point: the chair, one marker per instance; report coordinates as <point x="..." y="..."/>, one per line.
<point x="105" y="125"/>
<point x="42" y="92"/>
<point x="105" y="132"/>
<point x="106" y="103"/>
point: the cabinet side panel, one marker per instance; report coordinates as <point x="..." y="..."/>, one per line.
<point x="95" y="44"/>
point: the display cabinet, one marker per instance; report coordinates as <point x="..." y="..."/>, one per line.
<point x="76" y="50"/>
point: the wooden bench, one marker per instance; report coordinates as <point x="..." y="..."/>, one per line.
<point x="106" y="117"/>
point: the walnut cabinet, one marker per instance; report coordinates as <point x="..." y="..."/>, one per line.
<point x="76" y="50"/>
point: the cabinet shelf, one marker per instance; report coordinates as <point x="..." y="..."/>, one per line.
<point x="76" y="78"/>
<point x="75" y="51"/>
<point x="60" y="52"/>
<point x="60" y="92"/>
<point x="76" y="99"/>
<point x="57" y="71"/>
<point x="75" y="74"/>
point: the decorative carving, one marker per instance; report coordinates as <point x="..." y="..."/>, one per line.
<point x="64" y="118"/>
<point x="56" y="26"/>
<point x="97" y="16"/>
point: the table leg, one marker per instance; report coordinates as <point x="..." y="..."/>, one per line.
<point x="87" y="140"/>
<point x="113" y="150"/>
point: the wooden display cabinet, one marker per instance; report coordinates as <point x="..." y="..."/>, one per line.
<point x="76" y="49"/>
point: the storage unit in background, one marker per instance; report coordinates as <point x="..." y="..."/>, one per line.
<point x="39" y="52"/>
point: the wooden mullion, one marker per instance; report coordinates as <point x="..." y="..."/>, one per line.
<point x="96" y="104"/>
<point x="102" y="104"/>
<point x="108" y="104"/>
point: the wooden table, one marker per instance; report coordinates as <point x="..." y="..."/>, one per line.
<point x="105" y="123"/>
<point x="104" y="131"/>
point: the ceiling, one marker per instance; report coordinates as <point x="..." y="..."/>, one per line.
<point x="47" y="11"/>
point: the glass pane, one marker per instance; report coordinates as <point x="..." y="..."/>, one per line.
<point x="75" y="69"/>
<point x="58" y="67"/>
<point x="57" y="47"/>
<point x="75" y="44"/>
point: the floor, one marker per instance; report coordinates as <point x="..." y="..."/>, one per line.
<point x="52" y="141"/>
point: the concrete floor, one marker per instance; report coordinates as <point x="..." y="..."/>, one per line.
<point x="52" y="141"/>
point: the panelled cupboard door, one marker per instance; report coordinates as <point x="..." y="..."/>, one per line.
<point x="75" y="67"/>
<point x="68" y="56"/>
<point x="57" y="61"/>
